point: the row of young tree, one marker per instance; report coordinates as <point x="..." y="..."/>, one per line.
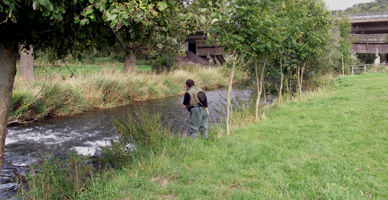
<point x="292" y="37"/>
<point x="285" y="37"/>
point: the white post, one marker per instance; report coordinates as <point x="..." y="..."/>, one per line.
<point x="352" y="70"/>
<point x="365" y="68"/>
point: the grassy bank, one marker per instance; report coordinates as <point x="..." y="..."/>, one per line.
<point x="53" y="94"/>
<point x="326" y="145"/>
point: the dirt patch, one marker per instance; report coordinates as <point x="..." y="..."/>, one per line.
<point x="162" y="181"/>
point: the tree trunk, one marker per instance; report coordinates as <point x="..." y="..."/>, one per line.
<point x="281" y="81"/>
<point x="26" y="70"/>
<point x="259" y="85"/>
<point x="288" y="86"/>
<point x="229" y="100"/>
<point x="7" y="77"/>
<point x="130" y="63"/>
<point x="343" y="66"/>
<point x="301" y="77"/>
<point x="258" y="93"/>
<point x="298" y="76"/>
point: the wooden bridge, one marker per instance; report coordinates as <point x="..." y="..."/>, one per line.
<point x="370" y="33"/>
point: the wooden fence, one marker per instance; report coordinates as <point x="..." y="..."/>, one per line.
<point x="368" y="68"/>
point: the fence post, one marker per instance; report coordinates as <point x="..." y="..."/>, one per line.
<point x="352" y="70"/>
<point x="365" y="68"/>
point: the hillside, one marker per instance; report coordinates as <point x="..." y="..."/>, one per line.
<point x="378" y="6"/>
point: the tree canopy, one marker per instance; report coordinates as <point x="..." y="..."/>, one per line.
<point x="50" y="24"/>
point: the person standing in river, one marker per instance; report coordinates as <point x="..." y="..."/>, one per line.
<point x="195" y="101"/>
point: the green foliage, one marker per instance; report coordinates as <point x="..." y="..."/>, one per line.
<point x="57" y="179"/>
<point x="143" y="27"/>
<point x="48" y="24"/>
<point x="293" y="34"/>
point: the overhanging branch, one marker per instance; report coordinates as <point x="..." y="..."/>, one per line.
<point x="123" y="46"/>
<point x="5" y="21"/>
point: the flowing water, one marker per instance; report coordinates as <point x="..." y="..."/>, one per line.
<point x="85" y="133"/>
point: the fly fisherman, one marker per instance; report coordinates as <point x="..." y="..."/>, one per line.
<point x="195" y="101"/>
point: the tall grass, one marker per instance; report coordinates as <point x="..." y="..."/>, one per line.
<point x="139" y="134"/>
<point x="55" y="96"/>
<point x="56" y="179"/>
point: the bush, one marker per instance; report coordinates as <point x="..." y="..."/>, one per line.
<point x="163" y="63"/>
<point x="140" y="61"/>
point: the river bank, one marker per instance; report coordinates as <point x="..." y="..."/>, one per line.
<point x="329" y="144"/>
<point x="54" y="95"/>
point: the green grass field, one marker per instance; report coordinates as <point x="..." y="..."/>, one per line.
<point x="327" y="145"/>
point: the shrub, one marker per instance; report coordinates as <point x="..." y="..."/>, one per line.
<point x="163" y="63"/>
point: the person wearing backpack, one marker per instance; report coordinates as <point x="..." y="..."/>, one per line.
<point x="195" y="101"/>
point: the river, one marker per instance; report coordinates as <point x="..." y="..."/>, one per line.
<point x="85" y="133"/>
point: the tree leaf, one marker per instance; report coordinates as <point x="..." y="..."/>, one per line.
<point x="84" y="21"/>
<point x="162" y="5"/>
<point x="34" y="5"/>
<point x="76" y="20"/>
<point x="46" y="13"/>
<point x="110" y="17"/>
<point x="133" y="35"/>
<point x="43" y="2"/>
<point x="58" y="16"/>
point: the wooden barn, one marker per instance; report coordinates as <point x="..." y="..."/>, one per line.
<point x="198" y="44"/>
